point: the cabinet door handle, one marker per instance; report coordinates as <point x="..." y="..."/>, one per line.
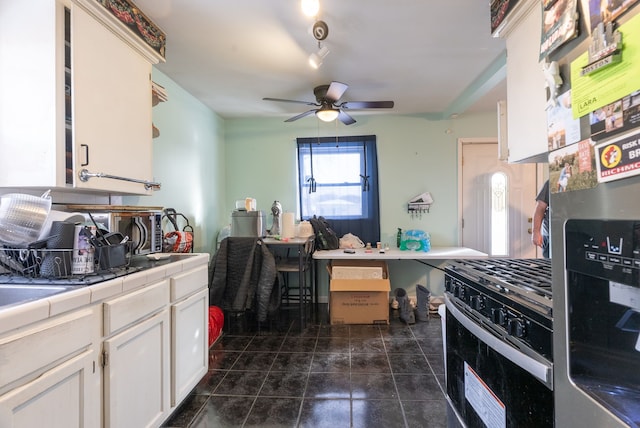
<point x="86" y="155"/>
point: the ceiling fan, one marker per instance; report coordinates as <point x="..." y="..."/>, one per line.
<point x="327" y="99"/>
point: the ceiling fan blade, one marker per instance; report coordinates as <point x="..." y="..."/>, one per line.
<point x="335" y="91"/>
<point x="345" y="118"/>
<point x="367" y="104"/>
<point x="309" y="103"/>
<point x="301" y="115"/>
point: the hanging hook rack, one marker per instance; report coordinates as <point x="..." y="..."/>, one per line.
<point x="420" y="204"/>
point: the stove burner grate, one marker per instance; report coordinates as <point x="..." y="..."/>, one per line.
<point x="528" y="278"/>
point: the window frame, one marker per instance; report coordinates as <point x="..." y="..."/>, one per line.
<point x="366" y="225"/>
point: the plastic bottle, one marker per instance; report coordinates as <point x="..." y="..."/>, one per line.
<point x="426" y="246"/>
<point x="399" y="237"/>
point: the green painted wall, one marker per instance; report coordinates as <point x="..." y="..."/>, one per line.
<point x="206" y="163"/>
<point x="189" y="161"/>
<point x="414" y="155"/>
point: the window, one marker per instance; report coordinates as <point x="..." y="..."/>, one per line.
<point x="338" y="179"/>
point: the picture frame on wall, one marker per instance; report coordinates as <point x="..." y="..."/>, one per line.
<point x="559" y="25"/>
<point x="138" y="23"/>
<point x="499" y="11"/>
<point x="548" y="3"/>
<point x="620" y="116"/>
<point x="604" y="11"/>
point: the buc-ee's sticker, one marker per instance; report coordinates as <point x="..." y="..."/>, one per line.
<point x="619" y="158"/>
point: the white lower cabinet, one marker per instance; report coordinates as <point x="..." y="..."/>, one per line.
<point x="189" y="350"/>
<point x="136" y="375"/>
<point x="49" y="373"/>
<point x="125" y="362"/>
<point x="136" y="358"/>
<point x="62" y="397"/>
<point x="155" y="348"/>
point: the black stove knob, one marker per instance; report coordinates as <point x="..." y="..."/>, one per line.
<point x="452" y="288"/>
<point x="477" y="302"/>
<point x="499" y="316"/>
<point x="515" y="327"/>
<point x="461" y="292"/>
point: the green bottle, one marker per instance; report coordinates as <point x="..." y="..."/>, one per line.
<point x="399" y="237"/>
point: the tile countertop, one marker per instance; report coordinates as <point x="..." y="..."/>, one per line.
<point x="18" y="315"/>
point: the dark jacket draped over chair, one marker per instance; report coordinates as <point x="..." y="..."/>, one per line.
<point x="242" y="274"/>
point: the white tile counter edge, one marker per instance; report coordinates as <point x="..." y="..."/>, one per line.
<point x="16" y="316"/>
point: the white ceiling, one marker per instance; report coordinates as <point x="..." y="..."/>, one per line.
<point x="432" y="58"/>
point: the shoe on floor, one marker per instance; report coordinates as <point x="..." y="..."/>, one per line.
<point x="406" y="313"/>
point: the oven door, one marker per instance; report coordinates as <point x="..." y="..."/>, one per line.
<point x="489" y="382"/>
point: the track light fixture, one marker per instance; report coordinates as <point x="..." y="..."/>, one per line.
<point x="310" y="7"/>
<point x="316" y="58"/>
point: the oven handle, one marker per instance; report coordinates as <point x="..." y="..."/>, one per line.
<point x="541" y="371"/>
<point x="144" y="234"/>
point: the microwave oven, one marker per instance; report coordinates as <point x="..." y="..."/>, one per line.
<point x="144" y="228"/>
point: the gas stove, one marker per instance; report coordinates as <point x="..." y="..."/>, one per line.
<point x="512" y="298"/>
<point x="499" y="341"/>
<point x="527" y="280"/>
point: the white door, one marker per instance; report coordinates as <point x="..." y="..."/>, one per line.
<point x="497" y="201"/>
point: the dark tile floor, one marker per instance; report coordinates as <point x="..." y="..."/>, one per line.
<point x="322" y="376"/>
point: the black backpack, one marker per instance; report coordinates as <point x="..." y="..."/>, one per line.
<point x="326" y="238"/>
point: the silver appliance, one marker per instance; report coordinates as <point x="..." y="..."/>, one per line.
<point x="498" y="342"/>
<point x="144" y="228"/>
<point x="276" y="225"/>
<point x="594" y="256"/>
<point x="595" y="238"/>
<point x="248" y="223"/>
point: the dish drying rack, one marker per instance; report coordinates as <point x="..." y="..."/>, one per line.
<point x="35" y="263"/>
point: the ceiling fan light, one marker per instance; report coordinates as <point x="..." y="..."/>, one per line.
<point x="327" y="114"/>
<point x="316" y="58"/>
<point x="310" y="7"/>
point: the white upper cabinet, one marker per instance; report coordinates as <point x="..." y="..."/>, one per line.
<point x="526" y="93"/>
<point x="75" y="94"/>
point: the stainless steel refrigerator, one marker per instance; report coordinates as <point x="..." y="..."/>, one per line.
<point x="595" y="245"/>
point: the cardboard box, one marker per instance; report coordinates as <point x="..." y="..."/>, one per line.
<point x="359" y="269"/>
<point x="359" y="301"/>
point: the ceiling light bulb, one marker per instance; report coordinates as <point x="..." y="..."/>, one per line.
<point x="310" y="7"/>
<point x="327" y="114"/>
<point x="316" y="58"/>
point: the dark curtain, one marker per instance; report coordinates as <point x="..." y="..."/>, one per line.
<point x="366" y="225"/>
